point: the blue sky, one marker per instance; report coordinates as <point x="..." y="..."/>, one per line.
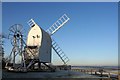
<point x="89" y="38"/>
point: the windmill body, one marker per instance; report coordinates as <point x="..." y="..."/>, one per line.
<point x="40" y="44"/>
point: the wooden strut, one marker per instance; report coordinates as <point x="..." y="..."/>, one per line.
<point x="31" y="66"/>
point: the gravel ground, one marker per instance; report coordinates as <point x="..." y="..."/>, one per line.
<point x="57" y="74"/>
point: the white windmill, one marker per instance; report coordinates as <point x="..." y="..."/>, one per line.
<point x="39" y="44"/>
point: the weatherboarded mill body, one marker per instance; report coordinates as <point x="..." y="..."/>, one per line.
<point x="40" y="44"/>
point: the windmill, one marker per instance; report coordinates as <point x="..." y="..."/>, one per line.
<point x="16" y="37"/>
<point x="37" y="49"/>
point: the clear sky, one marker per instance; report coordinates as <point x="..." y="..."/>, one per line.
<point x="89" y="38"/>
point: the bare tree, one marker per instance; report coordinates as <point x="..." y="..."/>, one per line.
<point x="2" y="36"/>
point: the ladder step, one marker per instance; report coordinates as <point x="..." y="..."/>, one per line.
<point x="61" y="53"/>
<point x="65" y="58"/>
<point x="51" y="30"/>
<point x="53" y="42"/>
<point x="59" y="50"/>
<point x="58" y="22"/>
<point x="55" y="45"/>
<point x="54" y="27"/>
<point x="63" y="18"/>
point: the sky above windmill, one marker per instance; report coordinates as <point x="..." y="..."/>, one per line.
<point x="89" y="38"/>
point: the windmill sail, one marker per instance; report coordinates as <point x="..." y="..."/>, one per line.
<point x="31" y="22"/>
<point x="59" y="52"/>
<point x="58" y="24"/>
<point x="55" y="27"/>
